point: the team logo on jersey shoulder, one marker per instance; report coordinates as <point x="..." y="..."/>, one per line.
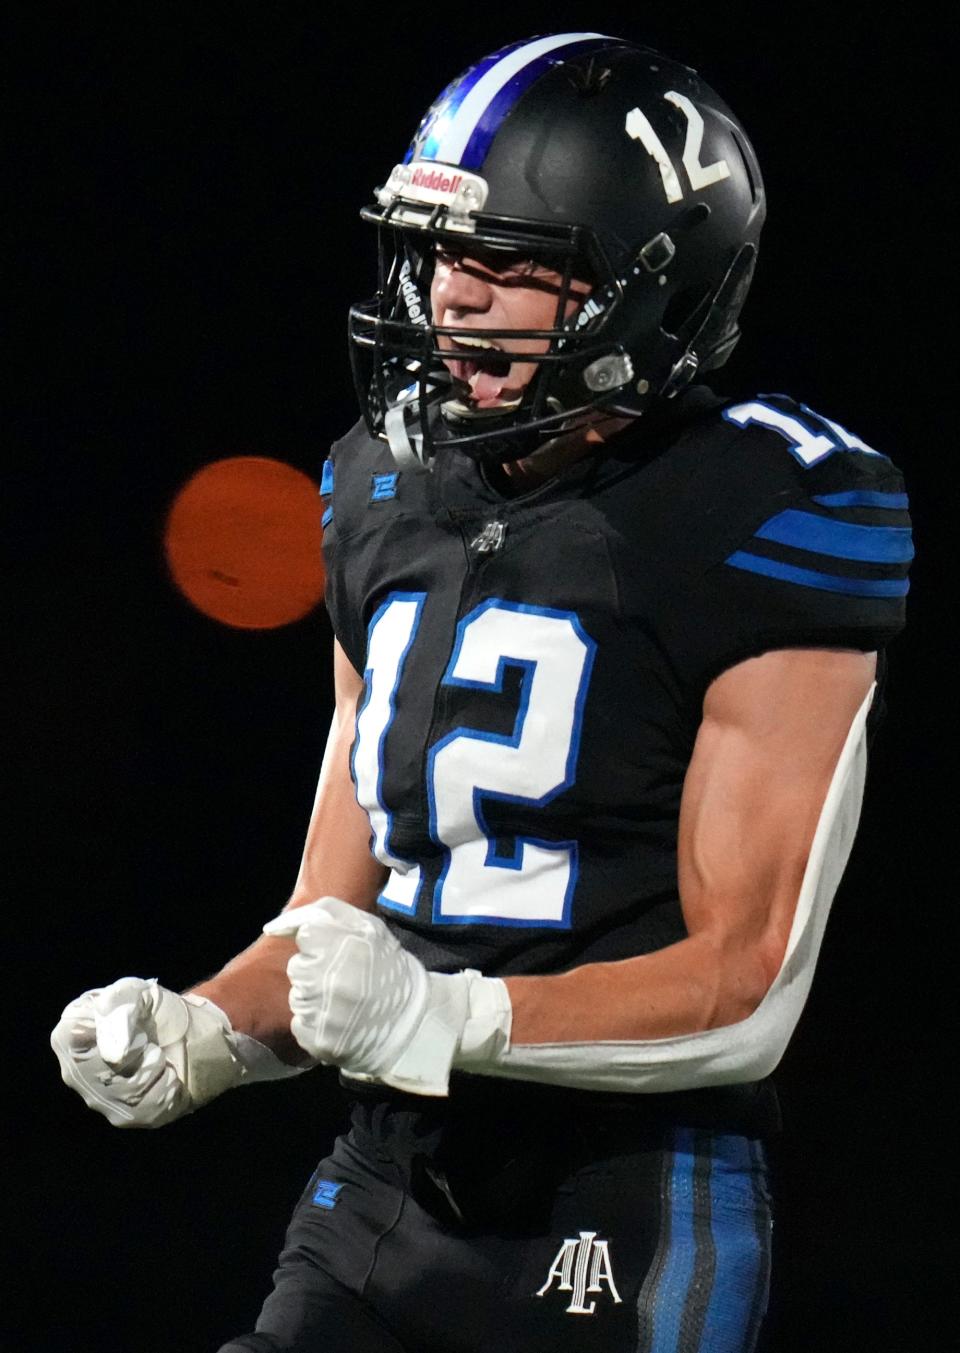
<point x="582" y="1267"/>
<point x="383" y="487"/>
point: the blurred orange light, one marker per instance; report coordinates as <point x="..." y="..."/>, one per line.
<point x="242" y="542"/>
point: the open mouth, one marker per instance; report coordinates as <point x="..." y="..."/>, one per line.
<point x="481" y="366"/>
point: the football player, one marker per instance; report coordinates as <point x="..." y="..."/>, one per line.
<point x="606" y="664"/>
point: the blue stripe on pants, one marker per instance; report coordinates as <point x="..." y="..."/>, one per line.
<point x="671" y="1293"/>
<point x="707" y="1290"/>
<point x="740" y="1223"/>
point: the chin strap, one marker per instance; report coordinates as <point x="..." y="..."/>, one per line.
<point x="498" y="437"/>
<point x="413" y="451"/>
<point x="406" y="447"/>
<point x="403" y="422"/>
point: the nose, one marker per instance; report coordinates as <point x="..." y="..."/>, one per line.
<point x="458" y="290"/>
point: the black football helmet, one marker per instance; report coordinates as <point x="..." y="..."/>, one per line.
<point x="604" y="160"/>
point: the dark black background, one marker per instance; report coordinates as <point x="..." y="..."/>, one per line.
<point x="187" y="182"/>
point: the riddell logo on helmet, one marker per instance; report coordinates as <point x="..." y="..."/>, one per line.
<point x="411" y="296"/>
<point x="436" y="180"/>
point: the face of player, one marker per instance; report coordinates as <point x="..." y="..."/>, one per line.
<point x="489" y="290"/>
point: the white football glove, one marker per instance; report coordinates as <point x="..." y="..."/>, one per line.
<point x="361" y="1001"/>
<point x="142" y="1055"/>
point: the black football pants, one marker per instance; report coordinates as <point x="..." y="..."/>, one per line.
<point x="508" y="1222"/>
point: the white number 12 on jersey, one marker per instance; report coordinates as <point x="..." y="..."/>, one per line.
<point x="533" y="883"/>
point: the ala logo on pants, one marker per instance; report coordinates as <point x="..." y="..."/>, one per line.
<point x="582" y="1266"/>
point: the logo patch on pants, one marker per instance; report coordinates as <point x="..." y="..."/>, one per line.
<point x="582" y="1266"/>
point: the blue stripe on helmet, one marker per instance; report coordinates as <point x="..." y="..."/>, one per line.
<point x="862" y="498"/>
<point x="825" y="582"/>
<point x="430" y="132"/>
<point x="840" y="539"/>
<point x="463" y="122"/>
<point x="503" y="102"/>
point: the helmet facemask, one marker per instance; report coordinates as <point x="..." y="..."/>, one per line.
<point x="400" y="355"/>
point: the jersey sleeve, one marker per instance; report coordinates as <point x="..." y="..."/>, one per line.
<point x="817" y="552"/>
<point x="338" y="492"/>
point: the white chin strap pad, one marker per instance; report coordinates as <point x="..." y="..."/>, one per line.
<point x="407" y="452"/>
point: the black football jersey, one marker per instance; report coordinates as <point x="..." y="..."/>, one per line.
<point x="535" y="665"/>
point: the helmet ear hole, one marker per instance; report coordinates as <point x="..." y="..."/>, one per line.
<point x="682" y="310"/>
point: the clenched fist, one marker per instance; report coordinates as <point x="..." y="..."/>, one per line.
<point x="359" y="1000"/>
<point x="142" y="1055"/>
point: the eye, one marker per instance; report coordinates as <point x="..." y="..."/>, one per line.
<point x="497" y="261"/>
<point x="447" y="257"/>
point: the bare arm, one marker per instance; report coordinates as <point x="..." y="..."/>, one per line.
<point x="253" y="988"/>
<point x="772" y="732"/>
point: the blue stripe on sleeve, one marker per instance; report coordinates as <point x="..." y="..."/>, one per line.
<point x="840" y="539"/>
<point x="327" y="517"/>
<point x="326" y="479"/>
<point x="862" y="498"/>
<point x="826" y="582"/>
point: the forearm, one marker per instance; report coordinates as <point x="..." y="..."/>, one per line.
<point x="688" y="987"/>
<point x="253" y="991"/>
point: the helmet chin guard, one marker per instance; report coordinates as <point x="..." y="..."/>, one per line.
<point x="608" y="163"/>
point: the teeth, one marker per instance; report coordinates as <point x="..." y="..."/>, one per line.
<point x="502" y="406"/>
<point x="475" y="343"/>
